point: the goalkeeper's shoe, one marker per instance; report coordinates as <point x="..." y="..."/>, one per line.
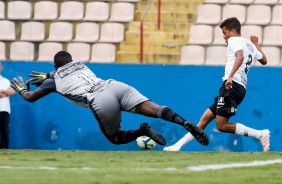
<point x="265" y="140"/>
<point x="172" y="148"/>
<point x="146" y="129"/>
<point x="198" y="133"/>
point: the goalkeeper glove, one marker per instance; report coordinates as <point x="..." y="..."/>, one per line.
<point x="19" y="85"/>
<point x="37" y="78"/>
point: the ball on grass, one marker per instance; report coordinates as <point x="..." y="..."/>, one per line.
<point x="145" y="142"/>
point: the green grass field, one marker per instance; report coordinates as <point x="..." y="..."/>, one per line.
<point x="146" y="167"/>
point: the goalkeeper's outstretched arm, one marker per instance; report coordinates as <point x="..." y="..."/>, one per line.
<point x="21" y="87"/>
<point x="32" y="96"/>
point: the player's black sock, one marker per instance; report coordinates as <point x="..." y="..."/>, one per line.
<point x="167" y="114"/>
<point x="124" y="137"/>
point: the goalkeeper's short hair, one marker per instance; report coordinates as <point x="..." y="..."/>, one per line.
<point x="62" y="58"/>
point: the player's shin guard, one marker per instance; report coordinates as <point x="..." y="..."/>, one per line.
<point x="167" y="114"/>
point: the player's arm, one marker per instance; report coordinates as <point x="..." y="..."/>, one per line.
<point x="37" y="78"/>
<point x="254" y="40"/>
<point x="32" y="96"/>
<point x="3" y="94"/>
<point x="20" y="86"/>
<point x="238" y="62"/>
<point x="7" y="92"/>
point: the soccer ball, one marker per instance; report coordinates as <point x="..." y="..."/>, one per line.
<point x="145" y="142"/>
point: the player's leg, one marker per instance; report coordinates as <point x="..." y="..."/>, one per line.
<point x="149" y="108"/>
<point x="262" y="135"/>
<point x="4" y="130"/>
<point x="237" y="128"/>
<point x="206" y="118"/>
<point x="107" y="110"/>
<point x="223" y="125"/>
<point x="107" y="107"/>
<point x="130" y="99"/>
<point x="227" y="107"/>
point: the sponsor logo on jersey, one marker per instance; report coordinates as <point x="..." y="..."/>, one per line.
<point x="70" y="69"/>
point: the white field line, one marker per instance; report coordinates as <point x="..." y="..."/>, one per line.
<point x="46" y="168"/>
<point x="190" y="168"/>
<point x="234" y="165"/>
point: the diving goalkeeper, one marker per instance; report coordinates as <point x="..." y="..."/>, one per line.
<point x="106" y="99"/>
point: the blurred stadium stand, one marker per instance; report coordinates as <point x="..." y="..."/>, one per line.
<point x="265" y="25"/>
<point x="82" y="25"/>
<point x="47" y="50"/>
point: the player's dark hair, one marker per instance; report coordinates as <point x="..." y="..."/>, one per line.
<point x="231" y="23"/>
<point x="62" y="58"/>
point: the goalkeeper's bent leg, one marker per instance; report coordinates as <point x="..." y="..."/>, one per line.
<point x="124" y="137"/>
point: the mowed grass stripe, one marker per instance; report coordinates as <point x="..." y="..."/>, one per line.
<point x="190" y="168"/>
<point x="134" y="167"/>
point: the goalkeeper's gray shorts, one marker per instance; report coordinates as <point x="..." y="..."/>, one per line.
<point x="108" y="105"/>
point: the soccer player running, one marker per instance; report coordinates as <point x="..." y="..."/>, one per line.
<point x="240" y="55"/>
<point x="106" y="99"/>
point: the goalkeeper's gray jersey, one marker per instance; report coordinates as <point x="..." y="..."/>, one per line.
<point x="106" y="98"/>
<point x="78" y="83"/>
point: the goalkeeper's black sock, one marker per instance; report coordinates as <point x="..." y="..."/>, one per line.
<point x="167" y="114"/>
<point x="124" y="137"/>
